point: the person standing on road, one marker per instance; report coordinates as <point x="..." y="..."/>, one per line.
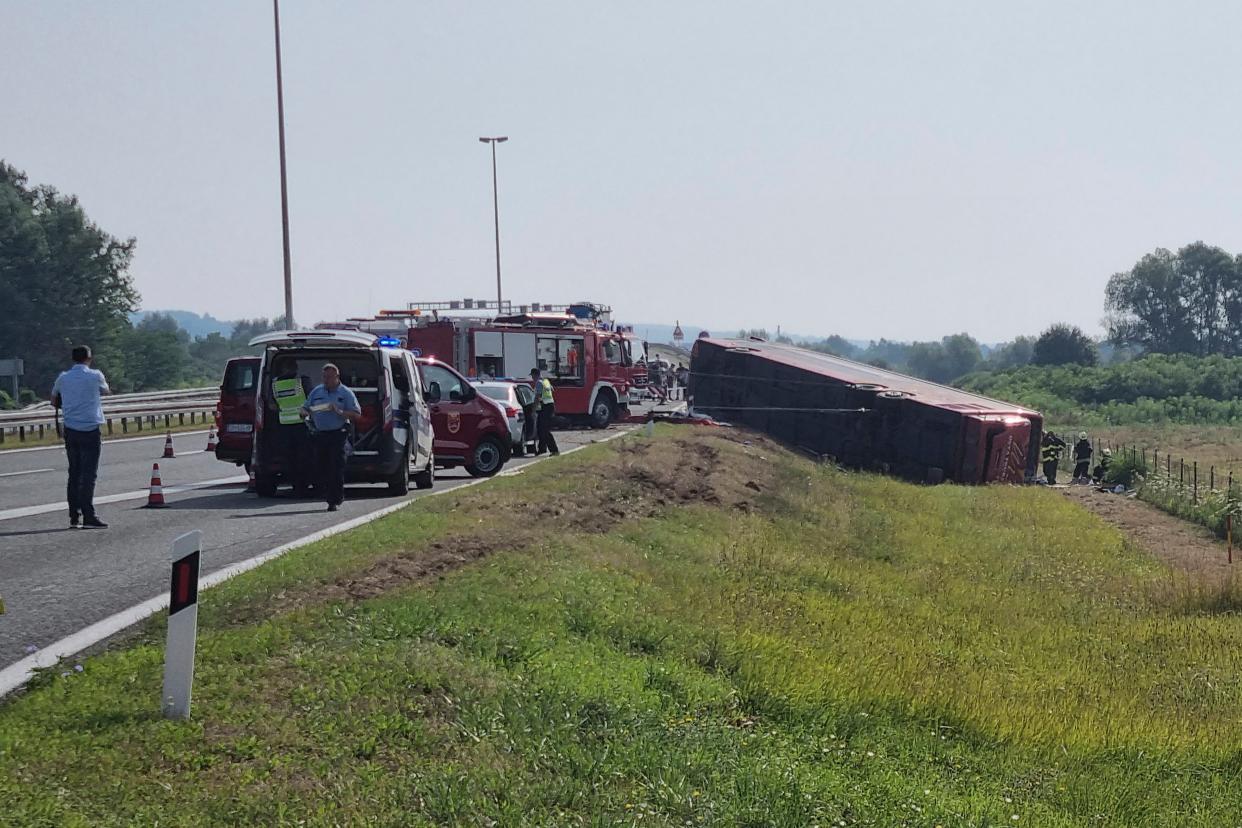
<point x="77" y="393"/>
<point x="545" y="410"/>
<point x="331" y="407"/>
<point x="290" y="390"/>
<point x="1082" y="459"/>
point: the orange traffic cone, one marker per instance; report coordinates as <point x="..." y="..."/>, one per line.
<point x="211" y="439"/>
<point x="168" y="446"/>
<point x="250" y="486"/>
<point x="155" y="498"/>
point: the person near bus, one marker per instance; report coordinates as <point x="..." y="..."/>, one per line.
<point x="1100" y="474"/>
<point x="1051" y="447"/>
<point x="545" y="410"/>
<point x="76" y="393"/>
<point x="331" y="407"/>
<point x="289" y="390"/>
<point x="1082" y="459"/>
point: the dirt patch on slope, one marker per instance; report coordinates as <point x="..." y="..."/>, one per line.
<point x="635" y="480"/>
<point x="1180" y="544"/>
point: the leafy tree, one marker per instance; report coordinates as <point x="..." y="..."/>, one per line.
<point x="1064" y="344"/>
<point x="1011" y="354"/>
<point x="64" y="280"/>
<point x="835" y="345"/>
<point x="944" y="361"/>
<point x="1189" y="302"/>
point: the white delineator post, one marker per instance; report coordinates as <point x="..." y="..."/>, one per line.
<point x="182" y="626"/>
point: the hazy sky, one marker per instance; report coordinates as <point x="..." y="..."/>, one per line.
<point x="873" y="169"/>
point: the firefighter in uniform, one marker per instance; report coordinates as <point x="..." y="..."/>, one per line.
<point x="545" y="410"/>
<point x="1050" y="452"/>
<point x="1101" y="470"/>
<point x="1082" y="459"/>
<point x="290" y="390"/>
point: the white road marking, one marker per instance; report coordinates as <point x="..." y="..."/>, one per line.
<point x="138" y="494"/>
<point x="106" y="442"/>
<point x="20" y="672"/>
<point x="28" y="471"/>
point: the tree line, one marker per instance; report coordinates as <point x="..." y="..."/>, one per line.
<point x="66" y="282"/>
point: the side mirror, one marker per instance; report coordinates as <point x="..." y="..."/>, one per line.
<point x="433" y="392"/>
<point x="456" y="395"/>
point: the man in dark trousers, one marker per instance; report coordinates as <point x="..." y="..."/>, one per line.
<point x="331" y="407"/>
<point x="1082" y="459"/>
<point x="545" y="410"/>
<point x="77" y="393"/>
<point x="1050" y="452"/>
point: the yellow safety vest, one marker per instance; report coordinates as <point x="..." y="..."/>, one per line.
<point x="545" y="392"/>
<point x="289" y="399"/>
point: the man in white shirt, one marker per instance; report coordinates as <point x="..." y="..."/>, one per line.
<point x="77" y="393"/>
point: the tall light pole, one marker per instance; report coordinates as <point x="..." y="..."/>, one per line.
<point x="499" y="139"/>
<point x="284" y="183"/>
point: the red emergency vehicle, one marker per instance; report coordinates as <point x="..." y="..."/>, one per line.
<point x="589" y="360"/>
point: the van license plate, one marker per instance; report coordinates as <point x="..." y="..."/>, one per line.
<point x="240" y="428"/>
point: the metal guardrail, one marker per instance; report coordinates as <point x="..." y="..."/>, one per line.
<point x="135" y="417"/>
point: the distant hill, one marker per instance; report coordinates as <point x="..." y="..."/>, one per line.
<point x="194" y="324"/>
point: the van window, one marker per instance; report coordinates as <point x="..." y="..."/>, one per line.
<point x="399" y="380"/>
<point x="240" y="376"/>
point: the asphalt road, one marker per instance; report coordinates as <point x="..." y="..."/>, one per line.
<point x="55" y="580"/>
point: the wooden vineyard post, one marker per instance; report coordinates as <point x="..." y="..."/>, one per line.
<point x="1229" y="537"/>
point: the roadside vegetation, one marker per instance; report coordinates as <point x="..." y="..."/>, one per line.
<point x="696" y="629"/>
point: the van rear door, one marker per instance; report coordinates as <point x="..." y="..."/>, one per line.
<point x="235" y="411"/>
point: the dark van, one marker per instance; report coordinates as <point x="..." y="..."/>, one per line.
<point x="471" y="429"/>
<point x="392" y="442"/>
<point x="235" y="410"/>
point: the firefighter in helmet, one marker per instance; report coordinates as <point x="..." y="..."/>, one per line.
<point x="1082" y="459"/>
<point x="1101" y="469"/>
<point x="1051" y="447"/>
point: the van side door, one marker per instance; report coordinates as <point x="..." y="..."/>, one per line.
<point x="420" y="414"/>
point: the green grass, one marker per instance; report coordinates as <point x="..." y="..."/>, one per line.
<point x="851" y="650"/>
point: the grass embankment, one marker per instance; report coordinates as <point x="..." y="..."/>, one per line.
<point x="700" y="631"/>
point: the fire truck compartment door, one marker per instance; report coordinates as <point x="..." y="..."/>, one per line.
<point x="487" y="344"/>
<point x="519" y="354"/>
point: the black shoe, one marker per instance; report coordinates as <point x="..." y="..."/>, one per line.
<point x="332" y="507"/>
<point x="555" y="453"/>
<point x="73" y="521"/>
<point x="93" y="523"/>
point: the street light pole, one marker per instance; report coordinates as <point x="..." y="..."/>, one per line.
<point x="284" y="183"/>
<point x="496" y="211"/>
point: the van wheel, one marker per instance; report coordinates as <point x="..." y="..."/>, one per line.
<point x="487" y="459"/>
<point x="399" y="483"/>
<point x="426" y="478"/>
<point x="603" y="410"/>
<point x="265" y="485"/>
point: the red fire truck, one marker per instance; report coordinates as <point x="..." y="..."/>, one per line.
<point x="589" y="360"/>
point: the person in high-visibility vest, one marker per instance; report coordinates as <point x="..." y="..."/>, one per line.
<point x="1051" y="447"/>
<point x="289" y="391"/>
<point x="545" y="410"/>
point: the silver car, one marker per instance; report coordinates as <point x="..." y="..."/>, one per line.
<point x="516" y="399"/>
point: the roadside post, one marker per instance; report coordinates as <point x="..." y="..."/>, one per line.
<point x="182" y="626"/>
<point x="1229" y="537"/>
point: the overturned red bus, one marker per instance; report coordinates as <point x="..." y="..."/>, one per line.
<point x="863" y="416"/>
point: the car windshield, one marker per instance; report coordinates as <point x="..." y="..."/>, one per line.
<point x="496" y="392"/>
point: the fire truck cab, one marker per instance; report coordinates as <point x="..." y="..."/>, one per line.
<point x="591" y="367"/>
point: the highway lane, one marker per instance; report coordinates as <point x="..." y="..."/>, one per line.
<point x="36" y="476"/>
<point x="56" y="581"/>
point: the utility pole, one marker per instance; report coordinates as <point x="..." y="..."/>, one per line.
<point x="500" y="139"/>
<point x="284" y="181"/>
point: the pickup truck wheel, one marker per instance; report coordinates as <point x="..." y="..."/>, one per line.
<point x="487" y="459"/>
<point x="265" y="485"/>
<point x="603" y="410"/>
<point x="426" y="478"/>
<point x="399" y="483"/>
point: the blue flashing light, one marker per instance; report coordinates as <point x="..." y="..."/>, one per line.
<point x="389" y="342"/>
